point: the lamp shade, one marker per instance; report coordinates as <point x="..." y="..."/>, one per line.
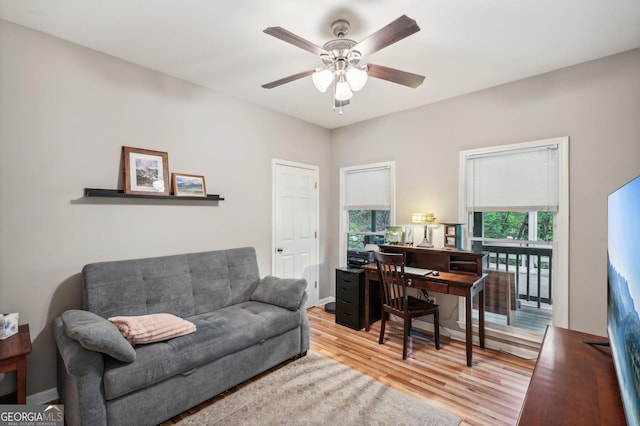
<point x="343" y="91"/>
<point x="357" y="78"/>
<point x="322" y="79"/>
<point x="423" y="218"/>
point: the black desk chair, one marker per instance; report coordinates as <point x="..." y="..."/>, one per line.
<point x="396" y="299"/>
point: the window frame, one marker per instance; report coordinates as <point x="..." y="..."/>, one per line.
<point x="560" y="244"/>
<point x="344" y="214"/>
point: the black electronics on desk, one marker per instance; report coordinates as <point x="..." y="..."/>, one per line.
<point x="356" y="258"/>
<point x="350" y="298"/>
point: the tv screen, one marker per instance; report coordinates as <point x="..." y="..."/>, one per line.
<point x="623" y="282"/>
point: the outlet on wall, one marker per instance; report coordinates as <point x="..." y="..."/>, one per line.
<point x="431" y="299"/>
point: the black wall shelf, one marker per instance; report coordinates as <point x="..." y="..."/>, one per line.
<point x="119" y="193"/>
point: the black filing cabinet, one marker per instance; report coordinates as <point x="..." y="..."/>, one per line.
<point x="350" y="298"/>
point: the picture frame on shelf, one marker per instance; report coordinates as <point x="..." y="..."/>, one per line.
<point x="146" y="172"/>
<point x="393" y="235"/>
<point x="186" y="185"/>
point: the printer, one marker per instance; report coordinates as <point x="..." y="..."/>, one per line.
<point x="359" y="258"/>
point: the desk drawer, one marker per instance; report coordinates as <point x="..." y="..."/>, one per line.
<point x="350" y="293"/>
<point x="348" y="278"/>
<point x="349" y="285"/>
<point x="348" y="307"/>
<point x="350" y="315"/>
<point x="435" y="286"/>
<point x="351" y="321"/>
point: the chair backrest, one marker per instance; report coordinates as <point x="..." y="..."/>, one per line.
<point x="393" y="283"/>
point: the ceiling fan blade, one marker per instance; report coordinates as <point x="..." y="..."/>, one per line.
<point x="289" y="37"/>
<point x="288" y="79"/>
<point x="395" y="76"/>
<point x="393" y="32"/>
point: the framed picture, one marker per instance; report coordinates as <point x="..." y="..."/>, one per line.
<point x="185" y="185"/>
<point x="393" y="235"/>
<point x="145" y="171"/>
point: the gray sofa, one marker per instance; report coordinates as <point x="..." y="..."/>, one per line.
<point x="244" y="326"/>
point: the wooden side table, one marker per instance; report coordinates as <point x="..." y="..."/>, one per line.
<point x="13" y="356"/>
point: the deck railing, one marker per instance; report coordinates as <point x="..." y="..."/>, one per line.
<point x="532" y="265"/>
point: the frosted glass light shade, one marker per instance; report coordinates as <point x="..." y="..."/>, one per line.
<point x="322" y="79"/>
<point x="343" y="91"/>
<point x="357" y="78"/>
<point x="423" y="218"/>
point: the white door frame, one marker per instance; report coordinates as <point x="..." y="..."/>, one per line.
<point x="316" y="263"/>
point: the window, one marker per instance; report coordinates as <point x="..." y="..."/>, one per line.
<point x="367" y="197"/>
<point x="366" y="227"/>
<point x="514" y="200"/>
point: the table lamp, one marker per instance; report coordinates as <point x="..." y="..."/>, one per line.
<point x="426" y="219"/>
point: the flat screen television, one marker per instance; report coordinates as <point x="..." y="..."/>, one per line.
<point x="623" y="283"/>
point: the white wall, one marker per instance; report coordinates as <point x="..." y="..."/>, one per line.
<point x="596" y="104"/>
<point x="65" y="113"/>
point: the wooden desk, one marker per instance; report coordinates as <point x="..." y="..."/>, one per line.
<point x="573" y="383"/>
<point x="457" y="284"/>
<point x="13" y="356"/>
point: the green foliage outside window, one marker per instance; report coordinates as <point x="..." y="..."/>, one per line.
<point x="362" y="223"/>
<point x="516" y="225"/>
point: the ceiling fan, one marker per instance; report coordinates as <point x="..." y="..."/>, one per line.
<point x="341" y="58"/>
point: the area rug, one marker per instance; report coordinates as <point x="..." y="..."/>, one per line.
<point x="315" y="390"/>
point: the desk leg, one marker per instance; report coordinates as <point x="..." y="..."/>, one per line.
<point x="469" y="320"/>
<point x="366" y="304"/>
<point x="481" y="317"/>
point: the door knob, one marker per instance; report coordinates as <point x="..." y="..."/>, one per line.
<point x="279" y="250"/>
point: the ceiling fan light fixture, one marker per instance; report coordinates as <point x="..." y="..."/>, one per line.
<point x="357" y="78"/>
<point x="343" y="91"/>
<point x="341" y="59"/>
<point x="322" y="79"/>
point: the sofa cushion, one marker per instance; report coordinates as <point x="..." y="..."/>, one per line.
<point x="285" y="292"/>
<point x="97" y="334"/>
<point x="218" y="333"/>
<point x="222" y="278"/>
<point x="139" y="287"/>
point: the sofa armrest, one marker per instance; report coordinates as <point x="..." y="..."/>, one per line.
<point x="80" y="373"/>
<point x="284" y="292"/>
<point x="77" y="359"/>
<point x="97" y="334"/>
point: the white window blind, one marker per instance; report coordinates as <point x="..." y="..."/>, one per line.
<point x="368" y="189"/>
<point x="516" y="180"/>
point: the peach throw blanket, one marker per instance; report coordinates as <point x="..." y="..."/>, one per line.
<point x="152" y="328"/>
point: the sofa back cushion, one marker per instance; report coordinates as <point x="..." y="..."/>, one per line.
<point x="182" y="285"/>
<point x="223" y="278"/>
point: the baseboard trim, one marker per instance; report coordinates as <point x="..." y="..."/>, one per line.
<point x="516" y="350"/>
<point x="326" y="300"/>
<point x="43" y="397"/>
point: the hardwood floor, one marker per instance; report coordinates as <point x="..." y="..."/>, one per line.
<point x="489" y="393"/>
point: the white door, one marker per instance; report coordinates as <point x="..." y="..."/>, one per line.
<point x="295" y="227"/>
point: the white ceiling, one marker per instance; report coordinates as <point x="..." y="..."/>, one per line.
<point x="463" y="45"/>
